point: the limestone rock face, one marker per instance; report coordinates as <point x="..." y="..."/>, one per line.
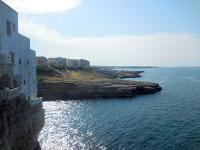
<point x="95" y="89"/>
<point x="20" y="125"/>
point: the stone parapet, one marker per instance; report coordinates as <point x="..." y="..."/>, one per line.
<point x="8" y="94"/>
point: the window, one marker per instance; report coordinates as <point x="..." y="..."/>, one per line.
<point x="28" y="62"/>
<point x="14" y="27"/>
<point x="8" y="28"/>
<point x="24" y="82"/>
<point x="12" y="57"/>
<point x="20" y="61"/>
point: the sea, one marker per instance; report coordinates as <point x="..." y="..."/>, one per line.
<point x="167" y="120"/>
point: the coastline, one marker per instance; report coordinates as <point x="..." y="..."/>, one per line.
<point x="108" y="85"/>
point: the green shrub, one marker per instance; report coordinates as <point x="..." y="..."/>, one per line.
<point x="44" y="70"/>
<point x="59" y="67"/>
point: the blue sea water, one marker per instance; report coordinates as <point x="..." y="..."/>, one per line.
<point x="168" y="120"/>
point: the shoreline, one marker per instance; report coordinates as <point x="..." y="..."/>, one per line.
<point x="105" y="87"/>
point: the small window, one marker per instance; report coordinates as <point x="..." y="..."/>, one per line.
<point x="20" y="61"/>
<point x="14" y="27"/>
<point x="12" y="59"/>
<point x="24" y="82"/>
<point x="8" y="27"/>
<point x="28" y="62"/>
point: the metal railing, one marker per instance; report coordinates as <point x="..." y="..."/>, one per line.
<point x="8" y="94"/>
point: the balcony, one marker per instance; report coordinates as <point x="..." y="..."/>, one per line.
<point x="8" y="94"/>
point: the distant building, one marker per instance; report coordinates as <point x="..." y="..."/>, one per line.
<point x="42" y="61"/>
<point x="71" y="63"/>
<point x="84" y="63"/>
<point x="17" y="60"/>
<point x="77" y="63"/>
<point x="57" y="61"/>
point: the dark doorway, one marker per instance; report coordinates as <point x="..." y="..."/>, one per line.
<point x="5" y="82"/>
<point x="15" y="83"/>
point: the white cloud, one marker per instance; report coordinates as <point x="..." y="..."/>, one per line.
<point x="166" y="49"/>
<point x="42" y="6"/>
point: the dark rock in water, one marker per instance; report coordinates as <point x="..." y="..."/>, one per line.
<point x="95" y="89"/>
<point x="20" y="124"/>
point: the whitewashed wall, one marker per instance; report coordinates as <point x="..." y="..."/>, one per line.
<point x="20" y="46"/>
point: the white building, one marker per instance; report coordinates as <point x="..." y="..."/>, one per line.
<point x="42" y="61"/>
<point x="84" y="63"/>
<point x="71" y="63"/>
<point x="77" y="63"/>
<point x="57" y="61"/>
<point x="16" y="55"/>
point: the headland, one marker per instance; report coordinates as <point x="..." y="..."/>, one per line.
<point x="90" y="83"/>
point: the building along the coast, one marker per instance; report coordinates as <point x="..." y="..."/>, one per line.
<point x="42" y="61"/>
<point x="69" y="63"/>
<point x="84" y="63"/>
<point x="77" y="63"/>
<point x="57" y="61"/>
<point x="17" y="60"/>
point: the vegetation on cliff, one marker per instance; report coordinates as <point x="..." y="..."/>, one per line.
<point x="90" y="83"/>
<point x="47" y="74"/>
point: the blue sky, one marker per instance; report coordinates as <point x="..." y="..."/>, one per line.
<point x="140" y="17"/>
<point x="114" y="32"/>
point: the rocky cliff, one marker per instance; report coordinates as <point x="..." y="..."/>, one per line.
<point x="20" y="124"/>
<point x="95" y="89"/>
<point x="113" y="74"/>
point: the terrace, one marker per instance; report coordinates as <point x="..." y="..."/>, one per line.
<point x="8" y="94"/>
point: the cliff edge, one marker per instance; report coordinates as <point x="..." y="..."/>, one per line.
<point x="20" y="124"/>
<point x="95" y="89"/>
<point x="91" y="83"/>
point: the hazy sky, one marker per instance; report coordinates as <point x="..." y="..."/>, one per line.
<point x="114" y="32"/>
